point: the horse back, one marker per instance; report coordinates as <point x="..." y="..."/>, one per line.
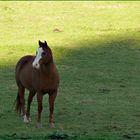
<point x="24" y="70"/>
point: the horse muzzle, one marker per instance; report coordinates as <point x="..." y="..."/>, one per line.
<point x="36" y="65"/>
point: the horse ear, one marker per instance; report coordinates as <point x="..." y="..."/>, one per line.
<point x="46" y="44"/>
<point x="39" y="42"/>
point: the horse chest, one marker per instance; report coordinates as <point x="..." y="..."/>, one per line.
<point x="45" y="83"/>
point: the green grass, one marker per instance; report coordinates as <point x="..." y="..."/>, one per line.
<point x="97" y="54"/>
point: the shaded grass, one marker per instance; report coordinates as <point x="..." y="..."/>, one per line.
<point x="98" y="61"/>
<point x="99" y="91"/>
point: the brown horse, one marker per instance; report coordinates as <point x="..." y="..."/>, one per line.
<point x="39" y="75"/>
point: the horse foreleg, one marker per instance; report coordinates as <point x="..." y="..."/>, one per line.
<point x="30" y="98"/>
<point x="39" y="100"/>
<point x="52" y="97"/>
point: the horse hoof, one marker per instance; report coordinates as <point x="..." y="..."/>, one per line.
<point x="29" y="119"/>
<point x="38" y="125"/>
<point x="21" y="113"/>
<point x="25" y="119"/>
<point x="52" y="125"/>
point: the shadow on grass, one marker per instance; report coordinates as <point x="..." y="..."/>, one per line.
<point x="99" y="87"/>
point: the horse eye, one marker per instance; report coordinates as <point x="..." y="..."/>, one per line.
<point x="43" y="53"/>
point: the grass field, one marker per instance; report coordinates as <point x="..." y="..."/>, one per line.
<point x="96" y="47"/>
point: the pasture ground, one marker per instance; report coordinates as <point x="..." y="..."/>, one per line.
<point x="96" y="48"/>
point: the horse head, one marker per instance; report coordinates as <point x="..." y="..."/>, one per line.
<point x="43" y="55"/>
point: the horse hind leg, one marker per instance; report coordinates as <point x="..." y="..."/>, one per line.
<point x="30" y="98"/>
<point x="21" y="91"/>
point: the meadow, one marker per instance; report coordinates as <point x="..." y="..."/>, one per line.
<point x="96" y="47"/>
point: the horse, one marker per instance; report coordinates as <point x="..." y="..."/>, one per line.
<point x="38" y="74"/>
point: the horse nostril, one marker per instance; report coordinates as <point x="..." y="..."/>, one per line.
<point x="37" y="65"/>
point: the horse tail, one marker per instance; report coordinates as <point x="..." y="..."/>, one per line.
<point x="18" y="107"/>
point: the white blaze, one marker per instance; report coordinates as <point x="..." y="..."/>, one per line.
<point x="37" y="58"/>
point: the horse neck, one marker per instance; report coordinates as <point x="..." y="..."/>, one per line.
<point x="47" y="69"/>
